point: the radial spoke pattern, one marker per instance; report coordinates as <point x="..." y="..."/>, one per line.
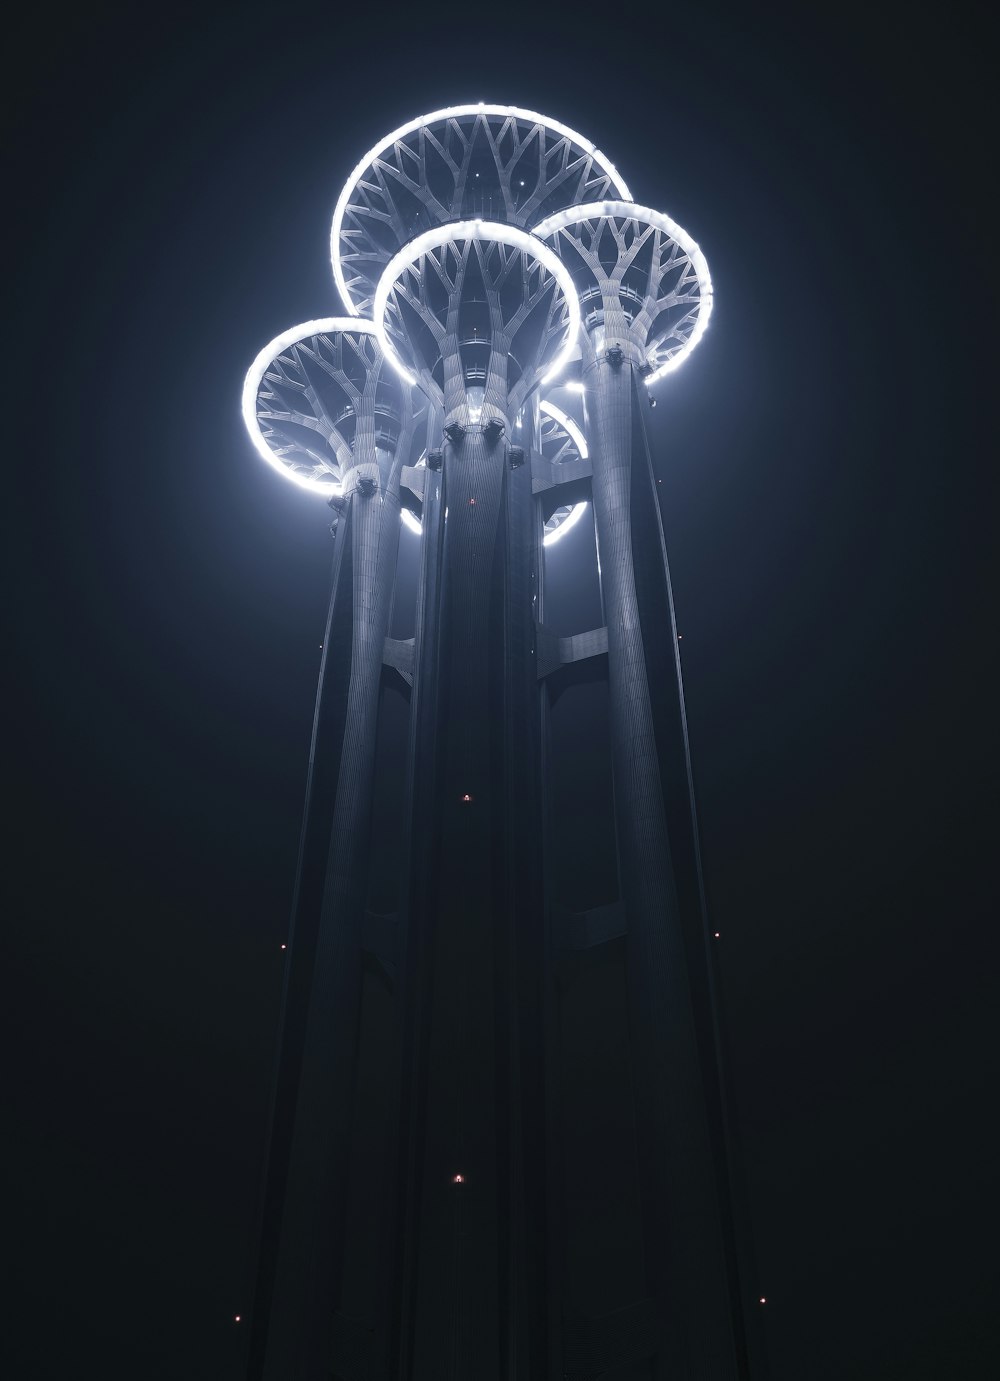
<point x="496" y="162"/>
<point x="324" y="402"/>
<point x="640" y="278"/>
<point x="476" y="319"/>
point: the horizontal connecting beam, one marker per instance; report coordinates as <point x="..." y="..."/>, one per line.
<point x="545" y="475"/>
<point x="412" y="479"/>
<point x="398" y="654"/>
<point x="575" y="930"/>
<point x="554" y="652"/>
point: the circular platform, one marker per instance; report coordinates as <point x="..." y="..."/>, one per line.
<point x="477" y="305"/>
<point x="319" y="393"/>
<point x="496" y="162"/>
<point x="638" y="273"/>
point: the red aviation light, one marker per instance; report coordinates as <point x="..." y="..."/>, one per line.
<point x="466" y="799"/>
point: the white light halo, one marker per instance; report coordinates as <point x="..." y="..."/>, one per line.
<point x="573" y="215"/>
<point x="449" y="113"/>
<point x="575" y="513"/>
<point x="580" y="441"/>
<point x="476" y="230"/>
<point x="293" y="336"/>
<point x="567" y="424"/>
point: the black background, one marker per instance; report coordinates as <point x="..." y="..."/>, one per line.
<point x="828" y="491"/>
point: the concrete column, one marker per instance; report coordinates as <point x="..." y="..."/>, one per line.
<point x="684" y="1259"/>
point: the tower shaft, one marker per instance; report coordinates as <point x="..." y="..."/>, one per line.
<point x="689" y="1269"/>
<point x="474" y="926"/>
<point x="309" y="1171"/>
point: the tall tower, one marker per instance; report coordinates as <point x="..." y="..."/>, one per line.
<point x="461" y="1183"/>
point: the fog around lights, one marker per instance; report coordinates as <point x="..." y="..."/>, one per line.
<point x="573" y="215"/>
<point x="414" y="524"/>
<point x="476" y="230"/>
<point x="449" y="113"/>
<point x="567" y="424"/>
<point x="580" y="441"/>
<point x="255" y="374"/>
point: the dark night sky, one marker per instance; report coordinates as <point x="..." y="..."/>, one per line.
<point x="828" y="488"/>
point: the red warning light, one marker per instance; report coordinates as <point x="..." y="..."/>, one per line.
<point x="466" y="800"/>
<point x="237" y="1318"/>
<point x="458" y="1179"/>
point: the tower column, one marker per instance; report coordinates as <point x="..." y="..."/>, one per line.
<point x="310" y="1188"/>
<point x="684" y="1263"/>
<point x="476" y="845"/>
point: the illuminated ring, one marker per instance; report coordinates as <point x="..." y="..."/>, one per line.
<point x="476" y="230"/>
<point x="579" y="440"/>
<point x="255" y="374"/>
<point x="575" y="513"/>
<point x="411" y="521"/>
<point x="573" y="215"/>
<point x="449" y="113"/>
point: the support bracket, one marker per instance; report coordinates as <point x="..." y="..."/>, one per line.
<point x="545" y="475"/>
<point x="553" y="652"/>
<point x="398" y="654"/>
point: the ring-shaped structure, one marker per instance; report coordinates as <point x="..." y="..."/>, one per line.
<point x="566" y="516"/>
<point x="626" y="210"/>
<point x="255" y="376"/>
<point x="399" y="160"/>
<point x="476" y="230"/>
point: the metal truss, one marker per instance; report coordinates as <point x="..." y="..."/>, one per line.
<point x="477" y="312"/>
<point x="323" y="407"/>
<point x="497" y="162"/>
<point x="478" y="251"/>
<point x="641" y="280"/>
<point x="560" y="441"/>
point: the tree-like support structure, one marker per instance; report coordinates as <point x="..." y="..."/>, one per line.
<point x="476" y="312"/>
<point x="323" y="404"/>
<point x="645" y="292"/>
<point x="499" y="1145"/>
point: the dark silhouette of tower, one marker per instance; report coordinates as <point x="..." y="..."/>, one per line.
<point x="499" y="1143"/>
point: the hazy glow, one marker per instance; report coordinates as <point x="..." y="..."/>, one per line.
<point x="449" y="113"/>
<point x="575" y="513"/>
<point x="570" y="521"/>
<point x="567" y="424"/>
<point x="255" y="374"/>
<point x="476" y="230"/>
<point x="580" y="441"/>
<point x="573" y="215"/>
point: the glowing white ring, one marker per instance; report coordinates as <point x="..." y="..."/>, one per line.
<point x="294" y="336"/>
<point x="411" y="521"/>
<point x="567" y="424"/>
<point x="580" y="441"/>
<point x="449" y="113"/>
<point x="475" y="230"/>
<point x="573" y="215"/>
